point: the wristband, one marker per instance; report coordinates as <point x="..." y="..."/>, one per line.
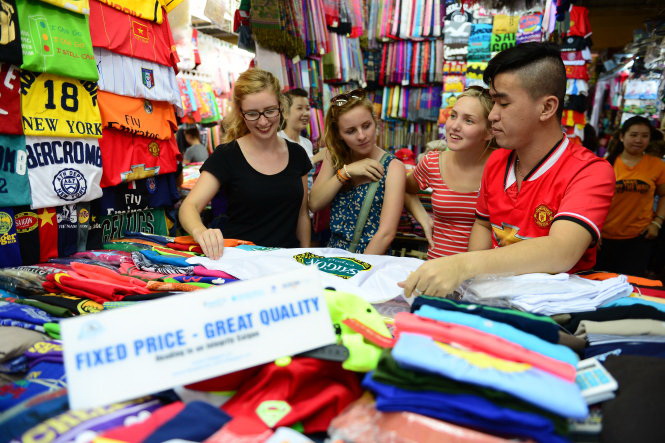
<point x="347" y="173"/>
<point x="660" y="217"/>
<point x="654" y="222"/>
<point x="340" y="176"/>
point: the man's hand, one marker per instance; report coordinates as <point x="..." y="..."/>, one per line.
<point x="438" y="277"/>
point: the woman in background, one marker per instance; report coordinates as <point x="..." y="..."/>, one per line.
<point x="632" y="225"/>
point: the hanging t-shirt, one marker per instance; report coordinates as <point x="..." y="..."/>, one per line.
<point x="152" y="221"/>
<point x="152" y="192"/>
<point x="10" y="253"/>
<point x="530" y="29"/>
<point x="134" y="77"/>
<point x="83" y="215"/>
<point x="579" y="22"/>
<point x="55" y="40"/>
<point x="80" y="6"/>
<point x="632" y="206"/>
<point x="479" y="41"/>
<point x="48" y="234"/>
<point x="146" y="9"/>
<point x="14" y="184"/>
<point x="59" y="106"/>
<point x="131" y="36"/>
<point x="501" y="42"/>
<point x="138" y="116"/>
<point x="10" y="100"/>
<point x="505" y="24"/>
<point x="63" y="170"/>
<point x="67" y="217"/>
<point x="10" y="34"/>
<point x="130" y="157"/>
<point x="27" y="228"/>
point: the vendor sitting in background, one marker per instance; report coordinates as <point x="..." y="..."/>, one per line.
<point x="196" y="151"/>
<point x="543" y="199"/>
<point x="296" y="119"/>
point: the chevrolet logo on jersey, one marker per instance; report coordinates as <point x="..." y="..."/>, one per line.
<point x="506" y="234"/>
<point x="59" y="106"/>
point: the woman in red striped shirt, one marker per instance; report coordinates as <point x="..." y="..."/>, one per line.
<point x="454" y="175"/>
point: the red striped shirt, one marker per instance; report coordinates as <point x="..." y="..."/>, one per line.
<point x="453" y="212"/>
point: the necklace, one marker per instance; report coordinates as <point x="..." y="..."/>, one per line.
<point x="518" y="169"/>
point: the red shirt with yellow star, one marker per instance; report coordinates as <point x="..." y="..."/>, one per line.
<point x="569" y="183"/>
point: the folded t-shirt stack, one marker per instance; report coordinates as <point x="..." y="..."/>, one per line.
<point x="544" y="293"/>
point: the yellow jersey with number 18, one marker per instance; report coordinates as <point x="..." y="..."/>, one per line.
<point x="57" y="106"/>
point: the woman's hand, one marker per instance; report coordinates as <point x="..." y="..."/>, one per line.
<point x="651" y="232"/>
<point x="367" y="167"/>
<point x="428" y="227"/>
<point x="211" y="241"/>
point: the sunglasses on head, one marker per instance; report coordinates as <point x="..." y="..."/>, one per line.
<point x="342" y="99"/>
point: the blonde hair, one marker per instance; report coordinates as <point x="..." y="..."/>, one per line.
<point x="340" y="153"/>
<point x="485" y="99"/>
<point x="251" y="81"/>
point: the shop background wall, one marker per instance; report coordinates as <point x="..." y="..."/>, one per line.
<point x="613" y="21"/>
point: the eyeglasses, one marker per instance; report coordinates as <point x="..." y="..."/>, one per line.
<point x="342" y="99"/>
<point x="255" y="115"/>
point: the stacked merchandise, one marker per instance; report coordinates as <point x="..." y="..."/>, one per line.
<point x="576" y="56"/>
<point x="497" y="371"/>
<point x="142" y="267"/>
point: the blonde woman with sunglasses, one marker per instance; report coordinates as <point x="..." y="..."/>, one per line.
<point x="263" y="176"/>
<point x="454" y="175"/>
<point x="352" y="164"/>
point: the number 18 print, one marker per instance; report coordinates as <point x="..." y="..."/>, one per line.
<point x="59" y="106"/>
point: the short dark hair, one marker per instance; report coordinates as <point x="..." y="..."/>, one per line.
<point x="616" y="148"/>
<point x="193" y="132"/>
<point x="295" y="92"/>
<point x="539" y="67"/>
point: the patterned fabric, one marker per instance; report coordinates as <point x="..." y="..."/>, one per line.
<point x="345" y="209"/>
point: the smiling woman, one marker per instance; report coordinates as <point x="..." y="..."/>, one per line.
<point x="263" y="176"/>
<point x="454" y="175"/>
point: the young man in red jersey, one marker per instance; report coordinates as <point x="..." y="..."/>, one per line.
<point x="543" y="198"/>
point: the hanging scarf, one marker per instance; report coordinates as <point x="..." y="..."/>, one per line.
<point x="273" y="27"/>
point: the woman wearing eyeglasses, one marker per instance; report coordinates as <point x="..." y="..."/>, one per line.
<point x="356" y="173"/>
<point x="263" y="176"/>
<point x="454" y="175"/>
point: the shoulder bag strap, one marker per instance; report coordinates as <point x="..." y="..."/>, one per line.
<point x="364" y="210"/>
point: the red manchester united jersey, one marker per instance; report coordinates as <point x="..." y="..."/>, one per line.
<point x="128" y="157"/>
<point x="569" y="183"/>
